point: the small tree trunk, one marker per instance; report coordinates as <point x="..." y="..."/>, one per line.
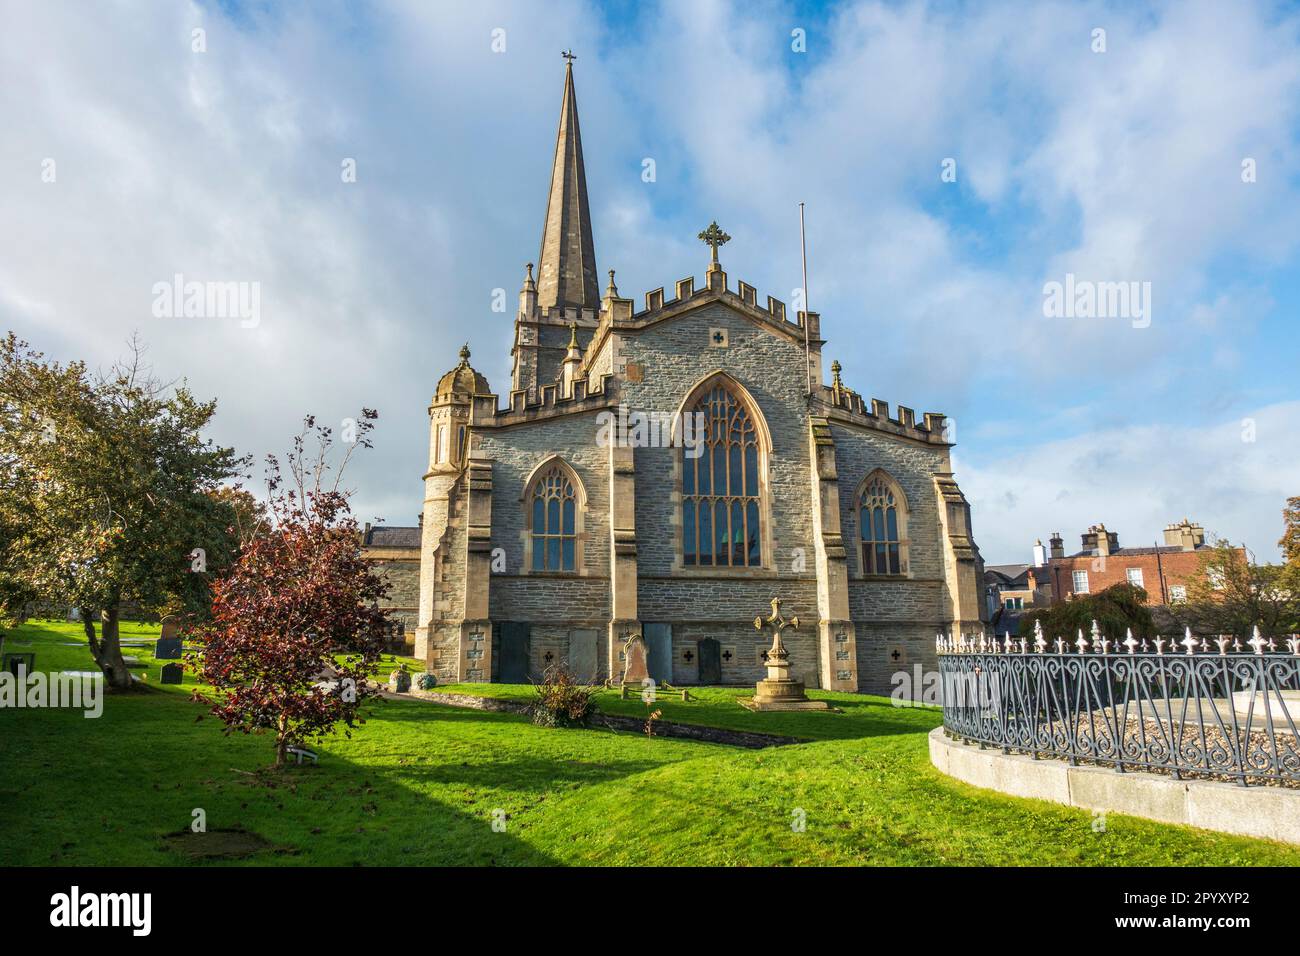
<point x="281" y="743"/>
<point x="107" y="651"/>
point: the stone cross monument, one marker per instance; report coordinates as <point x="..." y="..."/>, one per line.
<point x="779" y="691"/>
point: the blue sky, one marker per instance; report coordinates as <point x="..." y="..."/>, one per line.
<point x="1122" y="165"/>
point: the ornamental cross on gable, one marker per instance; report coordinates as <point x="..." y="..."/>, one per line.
<point x="714" y="237"/>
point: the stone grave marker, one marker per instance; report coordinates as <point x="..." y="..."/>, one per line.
<point x="634" y="668"/>
<point x="168" y="647"/>
<point x="171" y="673"/>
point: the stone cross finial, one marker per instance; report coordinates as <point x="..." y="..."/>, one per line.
<point x="714" y="237"/>
<point x="775" y="619"/>
<point x="778" y="654"/>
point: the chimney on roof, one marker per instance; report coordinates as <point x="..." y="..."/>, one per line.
<point x="1057" y="544"/>
<point x="1185" y="535"/>
<point x="1100" y="541"/>
<point x="1040" y="553"/>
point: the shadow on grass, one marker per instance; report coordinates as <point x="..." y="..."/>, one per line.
<point x="150" y="766"/>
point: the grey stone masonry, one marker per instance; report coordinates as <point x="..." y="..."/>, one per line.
<point x="860" y="629"/>
<point x="595" y="403"/>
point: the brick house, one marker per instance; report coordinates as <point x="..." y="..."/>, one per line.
<point x="668" y="470"/>
<point x="1164" y="571"/>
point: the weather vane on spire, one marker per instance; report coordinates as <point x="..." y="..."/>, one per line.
<point x="569" y="55"/>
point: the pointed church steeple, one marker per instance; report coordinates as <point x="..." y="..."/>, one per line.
<point x="566" y="274"/>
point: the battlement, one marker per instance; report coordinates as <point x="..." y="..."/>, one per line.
<point x="875" y="413"/>
<point x="685" y="291"/>
<point x="587" y="395"/>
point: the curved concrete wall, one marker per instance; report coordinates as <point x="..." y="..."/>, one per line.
<point x="1272" y="813"/>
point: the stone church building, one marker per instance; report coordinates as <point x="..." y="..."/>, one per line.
<point x="667" y="470"/>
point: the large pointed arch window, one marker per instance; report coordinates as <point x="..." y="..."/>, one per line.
<point x="882" y="526"/>
<point x="553" y="520"/>
<point x="721" y="525"/>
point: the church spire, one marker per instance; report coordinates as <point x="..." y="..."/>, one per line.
<point x="567" y="264"/>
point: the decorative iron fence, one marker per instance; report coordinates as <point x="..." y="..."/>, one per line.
<point x="1217" y="711"/>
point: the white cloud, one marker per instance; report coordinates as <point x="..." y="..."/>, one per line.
<point x="1136" y="479"/>
<point x="225" y="165"/>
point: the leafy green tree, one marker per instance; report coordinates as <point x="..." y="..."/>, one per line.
<point x="1117" y="609"/>
<point x="1290" y="543"/>
<point x="1232" y="595"/>
<point x="108" y="491"/>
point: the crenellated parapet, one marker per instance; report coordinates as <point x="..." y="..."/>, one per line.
<point x="842" y="404"/>
<point x="619" y="315"/>
<point x="550" y="400"/>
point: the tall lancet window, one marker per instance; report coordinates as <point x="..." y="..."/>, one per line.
<point x="882" y="526"/>
<point x="720" y="486"/>
<point x="554" y="520"/>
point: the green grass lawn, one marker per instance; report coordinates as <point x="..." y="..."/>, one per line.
<point x="419" y="783"/>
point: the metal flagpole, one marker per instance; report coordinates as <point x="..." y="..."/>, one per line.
<point x="807" y="353"/>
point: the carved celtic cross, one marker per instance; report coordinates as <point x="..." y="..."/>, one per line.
<point x="714" y="237"/>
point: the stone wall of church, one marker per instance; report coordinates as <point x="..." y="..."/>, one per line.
<point x="515" y="452"/>
<point x="674" y="357"/>
<point x="403" y="600"/>
<point x="895" y="620"/>
<point x="553" y="605"/>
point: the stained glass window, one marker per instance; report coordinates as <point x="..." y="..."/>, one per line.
<point x="554" y="521"/>
<point x="884" y="547"/>
<point x="720" y="487"/>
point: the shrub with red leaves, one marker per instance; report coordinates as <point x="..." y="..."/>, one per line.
<point x="295" y="600"/>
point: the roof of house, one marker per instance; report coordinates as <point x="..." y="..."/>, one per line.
<point x="390" y="536"/>
<point x="1133" y="552"/>
<point x="1009" y="571"/>
<point x="1016" y="575"/>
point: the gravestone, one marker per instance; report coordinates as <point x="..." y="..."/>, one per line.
<point x="710" y="652"/>
<point x="514" y="658"/>
<point x="171" y="673"/>
<point x="659" y="651"/>
<point x="582" y="655"/>
<point x="168" y="647"/>
<point x="634" y="661"/>
<point x="18" y="663"/>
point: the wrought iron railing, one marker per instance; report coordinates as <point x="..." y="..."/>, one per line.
<point x="1192" y="708"/>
